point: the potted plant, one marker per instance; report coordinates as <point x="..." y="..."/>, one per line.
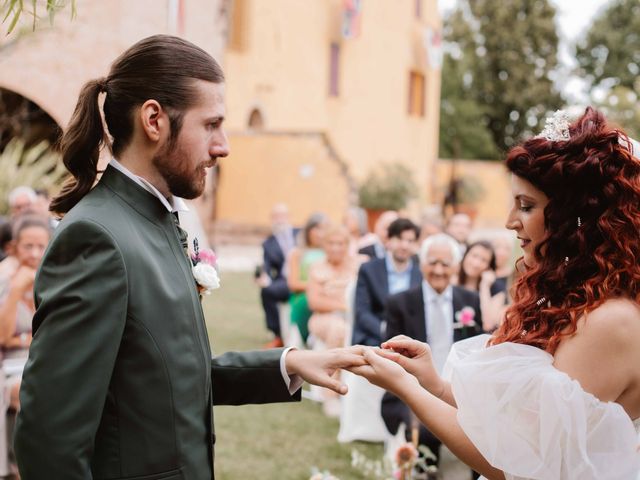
<point x="389" y="187"/>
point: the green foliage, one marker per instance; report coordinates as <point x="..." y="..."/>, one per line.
<point x="621" y="107"/>
<point x="36" y="167"/>
<point x="609" y="58"/>
<point x="389" y="187"/>
<point x="610" y="53"/>
<point x="15" y="8"/>
<point x="502" y="55"/>
<point x="463" y="126"/>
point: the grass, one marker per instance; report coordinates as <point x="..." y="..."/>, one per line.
<point x="269" y="442"/>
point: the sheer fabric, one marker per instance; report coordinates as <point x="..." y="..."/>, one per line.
<point x="533" y="421"/>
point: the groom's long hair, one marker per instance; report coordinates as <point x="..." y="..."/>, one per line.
<point x="595" y="177"/>
<point x="160" y="67"/>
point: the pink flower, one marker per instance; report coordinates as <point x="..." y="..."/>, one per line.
<point x="466" y="317"/>
<point x="207" y="256"/>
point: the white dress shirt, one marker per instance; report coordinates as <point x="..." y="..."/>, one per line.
<point x="175" y="204"/>
<point x="438" y="311"/>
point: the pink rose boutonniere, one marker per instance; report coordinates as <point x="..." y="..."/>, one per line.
<point x="205" y="270"/>
<point x="465" y="318"/>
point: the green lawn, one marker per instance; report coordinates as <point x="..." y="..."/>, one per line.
<point x="266" y="442"/>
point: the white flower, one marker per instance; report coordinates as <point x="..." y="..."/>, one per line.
<point x="206" y="276"/>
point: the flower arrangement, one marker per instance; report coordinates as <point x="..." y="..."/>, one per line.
<point x="204" y="269"/>
<point x="465" y="318"/>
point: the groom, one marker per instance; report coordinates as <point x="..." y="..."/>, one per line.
<point x="120" y="380"/>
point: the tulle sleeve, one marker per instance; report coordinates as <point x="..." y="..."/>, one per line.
<point x="533" y="421"/>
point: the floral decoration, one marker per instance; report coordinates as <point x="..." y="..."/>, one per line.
<point x="204" y="268"/>
<point x="465" y="318"/>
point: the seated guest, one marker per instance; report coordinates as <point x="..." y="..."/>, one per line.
<point x="459" y="227"/>
<point x="435" y="312"/>
<point x="299" y="261"/>
<point x="326" y="295"/>
<point x="21" y="200"/>
<point x="355" y="221"/>
<point x="429" y="226"/>
<point x="381" y="277"/>
<point x="503" y="244"/>
<point x="378" y="240"/>
<point x="30" y="238"/>
<point x="272" y="277"/>
<point x="477" y="273"/>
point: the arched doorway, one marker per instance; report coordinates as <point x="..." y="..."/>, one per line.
<point x="256" y="120"/>
<point x="21" y="118"/>
<point x="28" y="136"/>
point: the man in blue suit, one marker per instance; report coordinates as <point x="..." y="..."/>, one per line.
<point x="381" y="277"/>
<point x="272" y="280"/>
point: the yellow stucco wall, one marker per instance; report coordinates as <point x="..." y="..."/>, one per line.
<point x="281" y="66"/>
<point x="493" y="207"/>
<point x="262" y="169"/>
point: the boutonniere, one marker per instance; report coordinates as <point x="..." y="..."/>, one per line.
<point x="204" y="269"/>
<point x="465" y="318"/>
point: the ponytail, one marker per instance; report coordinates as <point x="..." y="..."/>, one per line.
<point x="80" y="147"/>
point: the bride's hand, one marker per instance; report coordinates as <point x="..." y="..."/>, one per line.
<point x="384" y="373"/>
<point x="415" y="358"/>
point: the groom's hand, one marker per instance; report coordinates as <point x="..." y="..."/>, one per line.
<point x="318" y="368"/>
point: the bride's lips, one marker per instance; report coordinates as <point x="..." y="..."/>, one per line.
<point x="524" y="242"/>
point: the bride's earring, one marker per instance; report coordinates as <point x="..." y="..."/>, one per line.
<point x="579" y="222"/>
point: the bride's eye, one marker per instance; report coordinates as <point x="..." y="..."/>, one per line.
<point x="525" y="208"/>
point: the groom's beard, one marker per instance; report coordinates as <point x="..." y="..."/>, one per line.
<point x="173" y="163"/>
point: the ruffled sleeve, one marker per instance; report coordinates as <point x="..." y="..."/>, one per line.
<point x="533" y="421"/>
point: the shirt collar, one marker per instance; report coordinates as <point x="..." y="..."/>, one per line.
<point x="173" y="204"/>
<point x="430" y="294"/>
<point x="391" y="266"/>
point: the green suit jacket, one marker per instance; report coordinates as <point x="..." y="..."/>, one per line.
<point x="120" y="380"/>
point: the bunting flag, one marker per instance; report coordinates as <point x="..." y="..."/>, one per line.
<point x="433" y="44"/>
<point x="351" y="17"/>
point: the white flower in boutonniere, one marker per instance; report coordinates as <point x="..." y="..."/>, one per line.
<point x="465" y="318"/>
<point x="204" y="269"/>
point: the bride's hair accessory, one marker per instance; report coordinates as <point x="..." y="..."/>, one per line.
<point x="579" y="222"/>
<point x="556" y="127"/>
<point x="541" y="301"/>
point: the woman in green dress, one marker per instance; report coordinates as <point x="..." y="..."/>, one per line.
<point x="300" y="259"/>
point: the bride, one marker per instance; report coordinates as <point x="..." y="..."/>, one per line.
<point x="552" y="394"/>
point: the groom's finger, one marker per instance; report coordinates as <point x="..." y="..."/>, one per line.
<point x="332" y="384"/>
<point x="344" y="360"/>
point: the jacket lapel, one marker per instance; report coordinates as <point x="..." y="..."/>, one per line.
<point x="416" y="310"/>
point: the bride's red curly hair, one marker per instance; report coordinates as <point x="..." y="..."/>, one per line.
<point x="595" y="176"/>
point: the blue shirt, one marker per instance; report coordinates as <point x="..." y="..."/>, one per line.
<point x="398" y="281"/>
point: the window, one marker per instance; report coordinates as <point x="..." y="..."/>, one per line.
<point x="334" y="69"/>
<point x="416" y="94"/>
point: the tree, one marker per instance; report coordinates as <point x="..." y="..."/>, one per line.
<point x="14" y="9"/>
<point x="463" y="124"/>
<point x="609" y="58"/>
<point x="507" y="53"/>
<point x="610" y="53"/>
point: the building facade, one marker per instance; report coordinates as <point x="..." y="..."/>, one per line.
<point x="319" y="93"/>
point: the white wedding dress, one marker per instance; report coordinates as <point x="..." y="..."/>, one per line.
<point x="533" y="421"/>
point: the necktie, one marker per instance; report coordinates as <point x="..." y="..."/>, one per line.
<point x="437" y="333"/>
<point x="182" y="234"/>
